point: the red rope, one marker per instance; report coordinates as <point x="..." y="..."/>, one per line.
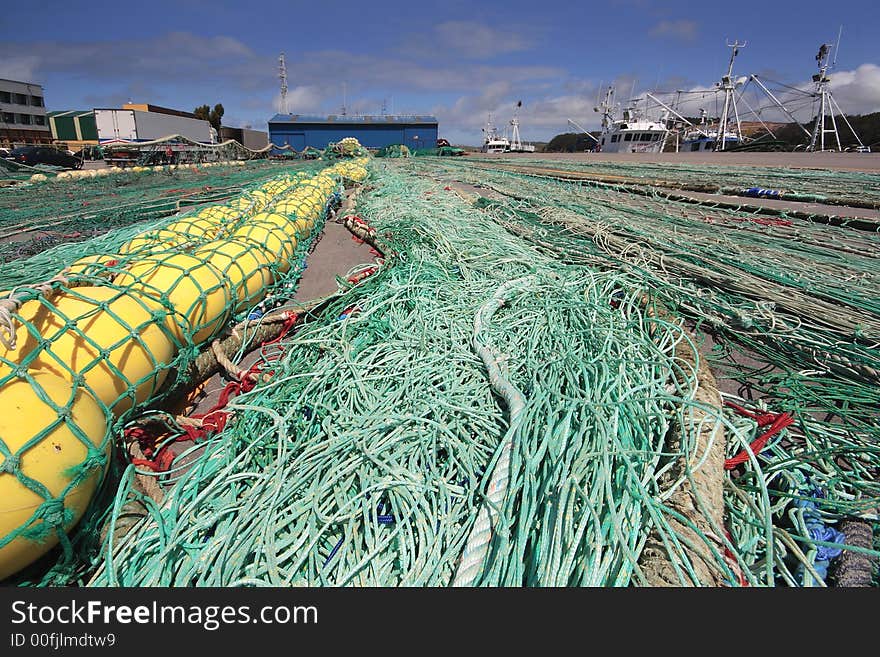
<point x="159" y="459"/>
<point x="762" y="221"/>
<point x="733" y="563"/>
<point x="776" y="421"/>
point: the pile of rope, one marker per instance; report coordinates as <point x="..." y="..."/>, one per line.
<point x="788" y="314"/>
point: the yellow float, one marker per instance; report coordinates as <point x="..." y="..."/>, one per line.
<point x="151" y="241"/>
<point x="93" y="265"/>
<point x="98" y="349"/>
<point x="54" y="462"/>
<point x="220" y="214"/>
<point x="276" y="239"/>
<point x="197" y="293"/>
<point x="110" y="337"/>
<point x="246" y="268"/>
<point x="195" y="227"/>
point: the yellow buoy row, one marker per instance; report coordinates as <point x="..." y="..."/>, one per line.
<point x="116" y="171"/>
<point x="96" y="351"/>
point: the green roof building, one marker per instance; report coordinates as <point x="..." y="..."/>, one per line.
<point x="73" y="126"/>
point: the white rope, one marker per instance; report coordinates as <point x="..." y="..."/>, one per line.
<point x="477" y="545"/>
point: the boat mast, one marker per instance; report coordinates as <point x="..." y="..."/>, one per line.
<point x="728" y="86"/>
<point x="827" y="104"/>
<point x="823" y="93"/>
<point x="515" y="143"/>
<point x="670" y="109"/>
<point x="606" y="107"/>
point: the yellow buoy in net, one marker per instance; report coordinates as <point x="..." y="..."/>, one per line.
<point x="112" y="339"/>
<point x="244" y="204"/>
<point x="244" y="265"/>
<point x="94" y="265"/>
<point x="63" y="455"/>
<point x="152" y="241"/>
<point x="276" y="239"/>
<point x="193" y="227"/>
<point x="220" y="214"/>
<point x="197" y="295"/>
<point x="279" y="220"/>
<point x="302" y="228"/>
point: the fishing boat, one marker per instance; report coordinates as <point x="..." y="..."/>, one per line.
<point x="497" y="143"/>
<point x="704" y="138"/>
<point x="633" y="132"/>
<point x="492" y="141"/>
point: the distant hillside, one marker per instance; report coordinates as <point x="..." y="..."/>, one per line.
<point x="867" y="126"/>
<point x="570" y="142"/>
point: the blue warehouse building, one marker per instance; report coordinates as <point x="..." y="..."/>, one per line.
<point x="299" y="131"/>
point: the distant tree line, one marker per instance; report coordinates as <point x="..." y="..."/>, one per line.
<point x="571" y="142"/>
<point x="867" y="127"/>
<point x="213" y="116"/>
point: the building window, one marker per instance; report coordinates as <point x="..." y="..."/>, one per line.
<point x="21" y="99"/>
<point x="8" y="117"/>
<point x="39" y="120"/>
<point x="628" y="136"/>
<point x="5" y="97"/>
<point x="37" y="101"/>
<point x="24" y="119"/>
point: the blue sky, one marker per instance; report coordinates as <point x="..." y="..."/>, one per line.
<point x="458" y="60"/>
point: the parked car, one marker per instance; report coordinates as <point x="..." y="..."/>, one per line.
<point x="31" y="155"/>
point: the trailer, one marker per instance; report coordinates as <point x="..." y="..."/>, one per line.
<point x="121" y="130"/>
<point x="135" y="125"/>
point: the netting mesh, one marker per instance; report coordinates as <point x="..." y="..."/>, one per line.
<point x="36" y="217"/>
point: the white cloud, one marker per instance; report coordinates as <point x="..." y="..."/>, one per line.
<point x="301" y="100"/>
<point x="20" y="67"/>
<point x="477" y="40"/>
<point x="171" y="56"/>
<point x="858" y="91"/>
<point x="684" y="30"/>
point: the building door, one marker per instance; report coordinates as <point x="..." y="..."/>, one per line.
<point x="415" y="138"/>
<point x="298" y="140"/>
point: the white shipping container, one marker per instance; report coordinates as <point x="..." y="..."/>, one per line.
<point x="153" y="125"/>
<point x="135" y="125"/>
<point x="115" y="124"/>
